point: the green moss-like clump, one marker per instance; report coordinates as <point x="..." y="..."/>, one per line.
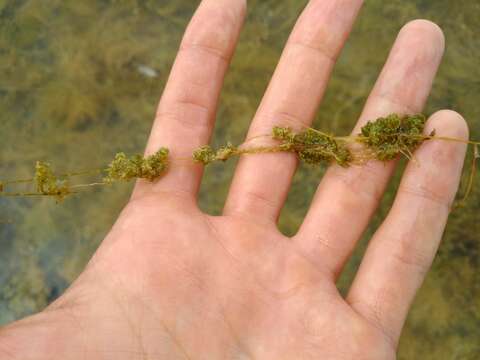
<point x="123" y="168"/>
<point x="313" y="147"/>
<point x="393" y="135"/>
<point x="206" y="154"/>
<point x="48" y="183"/>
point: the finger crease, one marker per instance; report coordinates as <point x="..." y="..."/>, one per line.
<point x="412" y="260"/>
<point x="425" y="194"/>
<point x="188" y="122"/>
<point x="322" y="51"/>
<point x="373" y="317"/>
<point x="211" y="50"/>
<point x="404" y="108"/>
<point x="356" y="183"/>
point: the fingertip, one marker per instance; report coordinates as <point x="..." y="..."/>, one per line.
<point x="441" y="160"/>
<point x="424" y="39"/>
<point x="423" y="29"/>
<point x="448" y="123"/>
<point x="425" y="25"/>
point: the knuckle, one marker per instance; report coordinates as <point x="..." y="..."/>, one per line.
<point x="368" y="181"/>
<point x="408" y="251"/>
<point x="428" y="193"/>
<point x="320" y="50"/>
<point x="417" y="260"/>
<point x="188" y="112"/>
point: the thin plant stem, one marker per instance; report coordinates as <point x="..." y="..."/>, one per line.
<point x="383" y="139"/>
<point x="471" y="178"/>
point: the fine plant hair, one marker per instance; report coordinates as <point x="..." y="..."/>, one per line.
<point x="383" y="139"/>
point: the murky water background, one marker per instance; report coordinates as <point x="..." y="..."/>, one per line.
<point x="79" y="81"/>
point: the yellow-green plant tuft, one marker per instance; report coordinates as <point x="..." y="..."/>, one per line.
<point x="313" y="147"/>
<point x="124" y="168"/>
<point x="390" y="136"/>
<point x="47" y="183"/>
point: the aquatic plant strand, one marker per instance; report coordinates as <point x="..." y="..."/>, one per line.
<point x="383" y="139"/>
<point x="122" y="168"/>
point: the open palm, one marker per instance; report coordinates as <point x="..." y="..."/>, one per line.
<point x="170" y="282"/>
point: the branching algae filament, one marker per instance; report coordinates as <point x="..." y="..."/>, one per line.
<point x="122" y="168"/>
<point x="383" y="139"/>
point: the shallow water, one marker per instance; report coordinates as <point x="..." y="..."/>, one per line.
<point x="77" y="73"/>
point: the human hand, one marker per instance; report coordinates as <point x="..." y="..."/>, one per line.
<point x="170" y="282"/>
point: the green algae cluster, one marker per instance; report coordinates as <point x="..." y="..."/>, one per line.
<point x="313" y="147"/>
<point x="47" y="183"/>
<point x="206" y="154"/>
<point x="388" y="136"/>
<point x="123" y="168"/>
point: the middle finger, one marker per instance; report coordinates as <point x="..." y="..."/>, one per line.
<point x="261" y="182"/>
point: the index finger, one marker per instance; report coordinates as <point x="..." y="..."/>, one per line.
<point x="186" y="111"/>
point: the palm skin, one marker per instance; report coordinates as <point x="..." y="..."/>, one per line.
<point x="170" y="282"/>
<point x="213" y="288"/>
<point x="236" y="289"/>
